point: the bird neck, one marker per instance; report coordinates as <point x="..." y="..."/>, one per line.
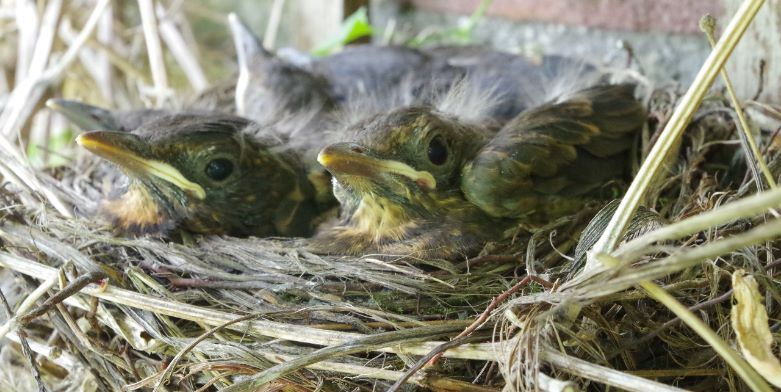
<point x="138" y="212"/>
<point x="380" y="220"/>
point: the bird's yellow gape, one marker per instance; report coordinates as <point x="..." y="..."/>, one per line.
<point x="343" y="158"/>
<point x="111" y="146"/>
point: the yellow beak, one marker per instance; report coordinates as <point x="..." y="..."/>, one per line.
<point x="117" y="147"/>
<point x="348" y="158"/>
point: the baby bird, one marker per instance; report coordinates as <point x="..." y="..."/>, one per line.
<point x="422" y="183"/>
<point x="268" y="86"/>
<point x="291" y="104"/>
<point x="213" y="174"/>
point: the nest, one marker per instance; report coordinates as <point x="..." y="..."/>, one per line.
<point x="536" y="311"/>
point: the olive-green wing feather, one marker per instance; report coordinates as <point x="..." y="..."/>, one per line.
<point x="565" y="147"/>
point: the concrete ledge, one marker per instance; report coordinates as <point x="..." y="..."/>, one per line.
<point x="675" y="16"/>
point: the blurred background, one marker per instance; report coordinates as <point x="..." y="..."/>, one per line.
<point x="663" y="34"/>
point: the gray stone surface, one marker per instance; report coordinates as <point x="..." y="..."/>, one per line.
<point x="663" y="56"/>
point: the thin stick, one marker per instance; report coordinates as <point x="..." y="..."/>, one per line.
<point x="543" y="379"/>
<point x="154" y="50"/>
<point x="28" y="352"/>
<point x="181" y="52"/>
<point x="675" y="127"/>
<point x="493" y="305"/>
<point x="28" y="302"/>
<point x="602" y="374"/>
<point x="72" y="288"/>
<point x="426" y="359"/>
<point x="273" y="24"/>
<point x="172" y="365"/>
<point x="740" y="209"/>
<point x="708" y="26"/>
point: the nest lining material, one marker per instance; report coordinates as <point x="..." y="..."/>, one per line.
<point x="219" y="310"/>
<point x="305" y="299"/>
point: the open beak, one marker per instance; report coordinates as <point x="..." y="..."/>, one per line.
<point x="349" y="159"/>
<point x="86" y="117"/>
<point x="123" y="149"/>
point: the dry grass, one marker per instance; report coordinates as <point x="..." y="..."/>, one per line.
<point x="219" y="312"/>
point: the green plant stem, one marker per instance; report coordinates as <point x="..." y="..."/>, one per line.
<point x="624" y="277"/>
<point x="741" y="367"/>
<point x="708" y="26"/>
<point x="675" y="127"/>
<point x="740" y="209"/>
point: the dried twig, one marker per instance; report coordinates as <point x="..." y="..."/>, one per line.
<point x="273" y="24"/>
<point x="181" y="51"/>
<point x="28" y="352"/>
<point x="708" y="26"/>
<point x="493" y="305"/>
<point x="28" y="302"/>
<point x="73" y="287"/>
<point x="154" y="51"/>
<point x="427" y="359"/>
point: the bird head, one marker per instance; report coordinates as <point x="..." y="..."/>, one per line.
<point x="268" y="85"/>
<point x="201" y="173"/>
<point x="400" y="175"/>
<point x="88" y="117"/>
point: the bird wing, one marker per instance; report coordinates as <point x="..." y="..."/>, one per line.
<point x="564" y="147"/>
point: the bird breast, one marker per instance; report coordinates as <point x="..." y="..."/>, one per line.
<point x="380" y="220"/>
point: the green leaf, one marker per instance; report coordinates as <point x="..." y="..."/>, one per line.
<point x="55" y="143"/>
<point x="356" y="26"/>
<point x="460" y="34"/>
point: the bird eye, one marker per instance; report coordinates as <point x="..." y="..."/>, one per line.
<point x="219" y="169"/>
<point x="437" y="151"/>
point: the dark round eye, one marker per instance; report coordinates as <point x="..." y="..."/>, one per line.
<point x="219" y="169"/>
<point x="437" y="151"/>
